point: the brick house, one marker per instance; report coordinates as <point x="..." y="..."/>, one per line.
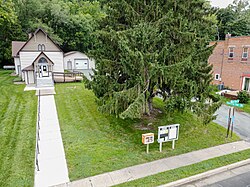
<point x="231" y="62"/>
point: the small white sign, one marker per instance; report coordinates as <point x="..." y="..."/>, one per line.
<point x="148" y="138"/>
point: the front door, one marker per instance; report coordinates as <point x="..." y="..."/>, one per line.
<point x="247" y="84"/>
<point x="43" y="67"/>
<point x="43" y="71"/>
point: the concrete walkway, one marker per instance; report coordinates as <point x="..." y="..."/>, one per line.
<point x="151" y="168"/>
<point x="51" y="160"/>
<point x="241" y="123"/>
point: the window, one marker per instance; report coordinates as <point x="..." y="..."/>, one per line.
<point x="39" y="47"/>
<point x="217" y="77"/>
<point x="42" y="60"/>
<point x="245" y="53"/>
<point x="43" y="47"/>
<point x="231" y="52"/>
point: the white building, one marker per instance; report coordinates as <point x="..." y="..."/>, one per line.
<point x="38" y="58"/>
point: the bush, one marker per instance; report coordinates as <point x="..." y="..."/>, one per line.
<point x="243" y="97"/>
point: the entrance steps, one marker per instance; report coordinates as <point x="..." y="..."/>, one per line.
<point x="44" y="82"/>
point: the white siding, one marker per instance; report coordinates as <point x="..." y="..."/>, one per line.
<point x="75" y="56"/>
<point x="17" y="64"/>
<point x="26" y="59"/>
<point x="31" y="77"/>
<point x="57" y="59"/>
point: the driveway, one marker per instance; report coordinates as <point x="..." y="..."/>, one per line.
<point x="241" y="122"/>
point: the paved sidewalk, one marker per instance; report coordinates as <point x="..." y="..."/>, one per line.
<point x="151" y="168"/>
<point x="51" y="160"/>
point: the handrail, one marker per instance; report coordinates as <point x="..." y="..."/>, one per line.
<point x="38" y="129"/>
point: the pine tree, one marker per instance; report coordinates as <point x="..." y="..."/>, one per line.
<point x="149" y="47"/>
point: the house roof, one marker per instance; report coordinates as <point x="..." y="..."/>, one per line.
<point x="39" y="29"/>
<point x="16" y="46"/>
<point x="42" y="53"/>
<point x="29" y="68"/>
<point x="70" y="53"/>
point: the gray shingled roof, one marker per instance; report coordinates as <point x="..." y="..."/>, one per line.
<point x="29" y="68"/>
<point x="16" y="46"/>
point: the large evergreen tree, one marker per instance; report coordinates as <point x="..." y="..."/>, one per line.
<point x="149" y="47"/>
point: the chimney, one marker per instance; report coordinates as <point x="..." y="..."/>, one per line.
<point x="228" y="36"/>
<point x="30" y="35"/>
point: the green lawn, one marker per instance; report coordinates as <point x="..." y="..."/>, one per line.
<point x="96" y="143"/>
<point x="187" y="171"/>
<point x="17" y="133"/>
<point x="246" y="107"/>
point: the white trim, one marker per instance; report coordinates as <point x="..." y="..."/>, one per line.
<point x="244" y="53"/>
<point x="230" y="52"/>
<point x="243" y="83"/>
<point x="215" y="77"/>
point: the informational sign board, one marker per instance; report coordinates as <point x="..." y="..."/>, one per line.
<point x="168" y="133"/>
<point x="148" y="138"/>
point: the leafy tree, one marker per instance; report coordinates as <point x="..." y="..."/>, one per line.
<point x="152" y="47"/>
<point x="234" y="19"/>
<point x="70" y="23"/>
<point x="9" y="28"/>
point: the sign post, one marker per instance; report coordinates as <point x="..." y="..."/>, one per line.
<point x="230" y="122"/>
<point x="148" y="139"/>
<point x="168" y="133"/>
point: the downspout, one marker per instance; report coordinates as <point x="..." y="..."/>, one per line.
<point x="223" y="53"/>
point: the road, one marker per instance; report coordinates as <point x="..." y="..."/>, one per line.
<point x="237" y="177"/>
<point x="241" y="122"/>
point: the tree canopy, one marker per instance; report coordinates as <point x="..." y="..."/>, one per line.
<point x="234" y="19"/>
<point x="69" y="23"/>
<point x="153" y="47"/>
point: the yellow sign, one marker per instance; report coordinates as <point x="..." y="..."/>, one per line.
<point x="148" y="138"/>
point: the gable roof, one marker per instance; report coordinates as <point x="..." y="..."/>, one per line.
<point x="42" y="53"/>
<point x="39" y="29"/>
<point x="16" y="46"/>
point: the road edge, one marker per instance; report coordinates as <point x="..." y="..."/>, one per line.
<point x="206" y="174"/>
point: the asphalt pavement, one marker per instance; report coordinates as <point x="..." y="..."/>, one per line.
<point x="238" y="176"/>
<point x="241" y="121"/>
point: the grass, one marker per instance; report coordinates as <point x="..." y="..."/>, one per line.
<point x="17" y="133"/>
<point x="96" y="143"/>
<point x="187" y="171"/>
<point x="246" y="107"/>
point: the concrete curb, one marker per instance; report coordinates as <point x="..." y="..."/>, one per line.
<point x="206" y="174"/>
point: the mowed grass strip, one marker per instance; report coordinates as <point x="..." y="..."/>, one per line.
<point x="18" y="111"/>
<point x="96" y="143"/>
<point x="187" y="171"/>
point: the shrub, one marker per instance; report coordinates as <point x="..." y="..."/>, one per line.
<point x="243" y="96"/>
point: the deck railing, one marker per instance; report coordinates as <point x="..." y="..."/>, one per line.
<point x="66" y="76"/>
